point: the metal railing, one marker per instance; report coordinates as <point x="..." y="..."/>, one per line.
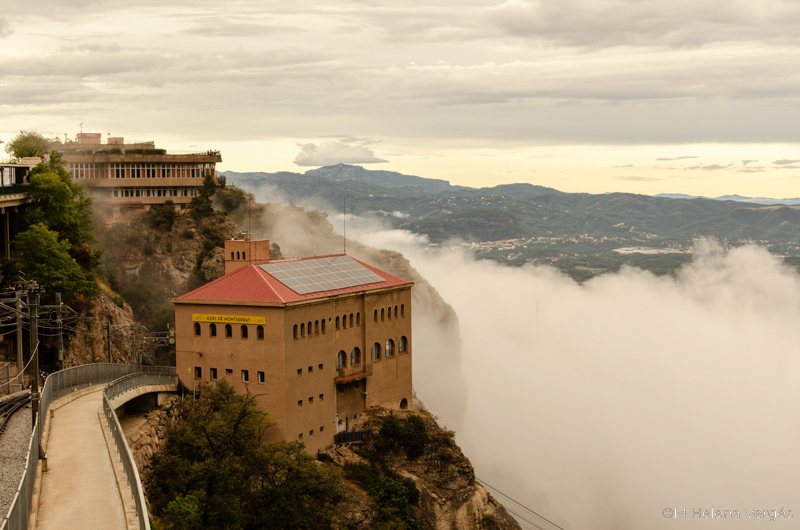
<point x="353" y="372"/>
<point x="114" y="389"/>
<point x="347" y="437"/>
<point x="57" y="385"/>
<point x="14" y="189"/>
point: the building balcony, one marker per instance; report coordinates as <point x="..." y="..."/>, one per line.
<point x="168" y="157"/>
<point x="352" y="373"/>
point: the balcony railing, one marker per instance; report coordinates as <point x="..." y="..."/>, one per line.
<point x="13" y="189"/>
<point x="353" y="373"/>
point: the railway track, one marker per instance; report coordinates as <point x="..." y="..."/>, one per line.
<point x="9" y="406"/>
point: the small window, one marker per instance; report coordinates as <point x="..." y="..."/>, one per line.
<point x="198" y="372"/>
<point x="358" y="319"/>
<point x="310" y="369"/>
<point x="395" y="311"/>
<point x="355" y="357"/>
<point x="261" y="377"/>
<point x="196" y="329"/>
<point x="300" y="436"/>
<point x="228" y="331"/>
<point x="294" y="334"/>
<point x="316" y="327"/>
<point x="212" y="330"/>
<point x="351" y="320"/>
<point x="344" y="321"/>
<point x="260" y="332"/>
<point x="402" y="345"/>
<point x="355" y="416"/>
<point x="376" y="315"/>
<point x="403" y="404"/>
<point x="213" y="373"/>
<point x="341" y="359"/>
<point x="237" y="255"/>
<point x="389" y="310"/>
<point x="309" y="329"/>
<point x="244" y="256"/>
<point x="246" y="376"/>
<point x="300" y="404"/>
<point x="302" y="330"/>
<point x="311" y="432"/>
<point x="376" y="352"/>
<point x="321" y="397"/>
<point x="320" y="366"/>
<point x="228" y="371"/>
<point x="382" y="313"/>
<point x="389" y="348"/>
<point x="311" y="400"/>
<point x="299" y="371"/>
<point x="337" y="322"/>
<point x="323" y="325"/>
<point x="322" y="428"/>
<point x="232" y="255"/>
<point x="244" y="331"/>
<point x="402" y="310"/>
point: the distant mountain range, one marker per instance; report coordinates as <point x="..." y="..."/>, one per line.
<point x="442" y="211"/>
<point x="738" y="198"/>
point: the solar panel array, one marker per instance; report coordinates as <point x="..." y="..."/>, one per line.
<point x="322" y="274"/>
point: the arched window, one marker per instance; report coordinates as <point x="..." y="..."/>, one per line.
<point x="395" y="311"/>
<point x="351" y="320"/>
<point x="237" y="255"/>
<point x="231" y="254"/>
<point x="228" y="331"/>
<point x="260" y="332"/>
<point x="402" y="310"/>
<point x="309" y="329"/>
<point x="295" y="331"/>
<point x="355" y="357"/>
<point x="402" y="346"/>
<point x="341" y="359"/>
<point x="212" y="329"/>
<point x="344" y="321"/>
<point x="376" y="352"/>
<point x="244" y="331"/>
<point x="197" y="329"/>
<point x="358" y="319"/>
<point x="302" y="330"/>
<point x="376" y="315"/>
<point x="403" y="404"/>
<point x="337" y="322"/>
<point x="389" y="348"/>
<point x="316" y="327"/>
<point x="243" y="255"/>
<point x="323" y="325"/>
<point x="382" y="313"/>
<point x="389" y="311"/>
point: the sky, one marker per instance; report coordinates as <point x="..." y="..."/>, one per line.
<point x="697" y="97"/>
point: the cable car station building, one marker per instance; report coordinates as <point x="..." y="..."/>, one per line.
<point x="317" y="339"/>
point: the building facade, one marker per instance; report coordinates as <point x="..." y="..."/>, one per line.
<point x="317" y="340"/>
<point x="135" y="175"/>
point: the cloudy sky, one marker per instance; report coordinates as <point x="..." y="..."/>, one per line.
<point x="692" y="96"/>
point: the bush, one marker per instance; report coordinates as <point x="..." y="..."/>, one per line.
<point x="213" y="237"/>
<point x="414" y="436"/>
<point x="161" y="216"/>
<point x="119" y="301"/>
<point x="393" y="495"/>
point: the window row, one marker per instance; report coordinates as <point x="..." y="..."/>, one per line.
<point x="303" y="330"/>
<point x="355" y="354"/>
<point x="212" y="374"/>
<point x="244" y="331"/>
<point x="311" y="432"/>
<point x="242" y="255"/>
<point x="155" y="192"/>
<point x="387" y="312"/>
<point x="139" y="170"/>
<point x="310" y="400"/>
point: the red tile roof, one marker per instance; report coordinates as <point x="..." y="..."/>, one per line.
<point x="252" y="284"/>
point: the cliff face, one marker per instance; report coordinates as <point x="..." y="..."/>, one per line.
<point x="449" y="496"/>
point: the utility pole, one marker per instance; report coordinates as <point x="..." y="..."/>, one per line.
<point x="60" y="334"/>
<point x="20" y="361"/>
<point x="34" y="316"/>
<point x="108" y="339"/>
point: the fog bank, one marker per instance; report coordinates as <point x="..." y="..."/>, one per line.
<point x="600" y="405"/>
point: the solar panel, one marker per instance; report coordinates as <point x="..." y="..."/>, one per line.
<point x="323" y="274"/>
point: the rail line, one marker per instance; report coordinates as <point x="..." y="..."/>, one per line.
<point x="9" y="406"/>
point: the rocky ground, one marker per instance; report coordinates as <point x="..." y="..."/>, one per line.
<point x="13" y="451"/>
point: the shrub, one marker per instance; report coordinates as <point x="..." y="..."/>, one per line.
<point x="161" y="216"/>
<point x="414" y="436"/>
<point x="393" y="495"/>
<point x="119" y="301"/>
<point x="213" y="237"/>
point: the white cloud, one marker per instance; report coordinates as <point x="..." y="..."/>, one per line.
<point x="330" y="153"/>
<point x="5" y="28"/>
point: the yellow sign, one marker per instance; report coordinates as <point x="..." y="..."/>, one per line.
<point x="228" y="319"/>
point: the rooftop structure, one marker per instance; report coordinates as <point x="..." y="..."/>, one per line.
<point x="122" y="175"/>
<point x="318" y="340"/>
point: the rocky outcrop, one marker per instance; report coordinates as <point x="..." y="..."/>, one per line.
<point x="146" y="432"/>
<point x="450" y="497"/>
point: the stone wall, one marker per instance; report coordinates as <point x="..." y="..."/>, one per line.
<point x="147" y="435"/>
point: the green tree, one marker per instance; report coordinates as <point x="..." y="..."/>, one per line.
<point x="161" y="215"/>
<point x="201" y="203"/>
<point x="214" y="469"/>
<point x="47" y="259"/>
<point x="28" y="144"/>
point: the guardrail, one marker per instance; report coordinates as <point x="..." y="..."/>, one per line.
<point x="14" y="189"/>
<point x="114" y="389"/>
<point x="57" y="385"/>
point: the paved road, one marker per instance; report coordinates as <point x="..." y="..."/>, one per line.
<point x="79" y="489"/>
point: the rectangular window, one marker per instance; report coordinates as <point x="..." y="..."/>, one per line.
<point x="261" y="377"/>
<point x="213" y="373"/>
<point x="300" y="436"/>
<point x="321" y="397"/>
<point x="299" y="402"/>
<point x="311" y="432"/>
<point x="320" y="367"/>
<point x="311" y="400"/>
<point x="228" y="371"/>
<point x="299" y="371"/>
<point x="310" y="369"/>
<point x="322" y="428"/>
<point x="246" y="376"/>
<point x="198" y="372"/>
